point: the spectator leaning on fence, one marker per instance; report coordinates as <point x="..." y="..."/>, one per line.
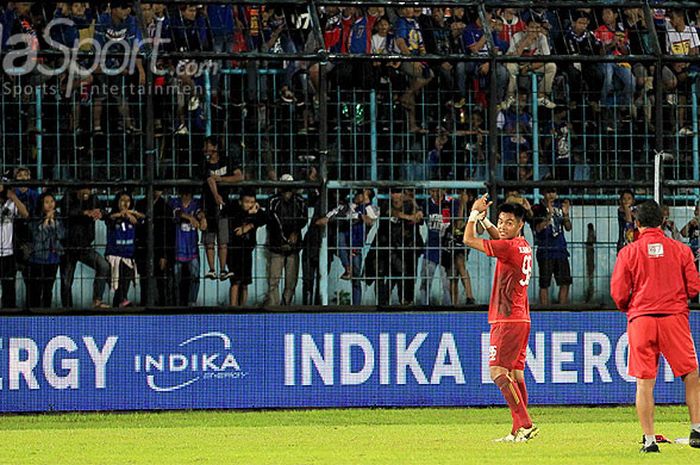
<point x="551" y="220"/>
<point x="626" y="213"/>
<point x="121" y="246"/>
<point x="82" y="210"/>
<point x="218" y="168"/>
<point x="189" y="219"/>
<point x="287" y="216"/>
<point x="245" y="218"/>
<point x="163" y="249"/>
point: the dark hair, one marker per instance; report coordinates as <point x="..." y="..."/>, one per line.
<point x="248" y="192"/>
<point x="40" y="201"/>
<point x="626" y="191"/>
<point x="649" y="214"/>
<point x="115" y="204"/>
<point x="547" y="190"/>
<point x="211" y="140"/>
<point x="515" y="208"/>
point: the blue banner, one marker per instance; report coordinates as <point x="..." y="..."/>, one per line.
<point x="306" y="360"/>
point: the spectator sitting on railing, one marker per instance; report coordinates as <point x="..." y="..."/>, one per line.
<point x="532" y="42"/>
<point x="156" y="19"/>
<point x="615" y="42"/>
<point x="626" y="213"/>
<point x="550" y="220"/>
<point x="580" y="40"/>
<point x="287" y="216"/>
<point x="190" y="34"/>
<point x="11" y="207"/>
<point x="81" y="31"/>
<point x="246" y="217"/>
<point x="635" y="24"/>
<point x="476" y="43"/>
<point x="117" y="26"/>
<point x="189" y="219"/>
<point x="408" y="40"/>
<point x="512" y="24"/>
<point x="121" y="246"/>
<point x="222" y="28"/>
<point x="436" y="34"/>
<point x="47" y="235"/>
<point x="692" y="232"/>
<point x="681" y="40"/>
<point x="669" y="226"/>
<point x="82" y="210"/>
<point x="18" y="19"/>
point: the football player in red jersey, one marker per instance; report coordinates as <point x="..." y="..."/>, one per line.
<point x="509" y="310"/>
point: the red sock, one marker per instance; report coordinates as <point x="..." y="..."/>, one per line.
<point x="513" y="397"/>
<point x="523" y="391"/>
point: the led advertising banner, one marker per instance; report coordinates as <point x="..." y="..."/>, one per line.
<point x="306" y="360"/>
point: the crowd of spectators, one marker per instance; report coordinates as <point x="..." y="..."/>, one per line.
<point x="438" y="100"/>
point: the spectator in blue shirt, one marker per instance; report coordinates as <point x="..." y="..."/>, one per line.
<point x="440" y="212"/>
<point x="118" y="31"/>
<point x="408" y="39"/>
<point x="476" y="43"/>
<point x="222" y="26"/>
<point x="121" y="245"/>
<point x="550" y="220"/>
<point x="189" y="219"/>
<point x="352" y="242"/>
<point x="46" y="249"/>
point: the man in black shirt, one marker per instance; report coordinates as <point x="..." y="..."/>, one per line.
<point x="163" y="249"/>
<point x="82" y="210"/>
<point x="218" y="168"/>
<point x="287" y="216"/>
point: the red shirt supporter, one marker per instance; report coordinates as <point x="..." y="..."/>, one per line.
<point x="653" y="279"/>
<point x="654" y="275"/>
<point x="513" y="270"/>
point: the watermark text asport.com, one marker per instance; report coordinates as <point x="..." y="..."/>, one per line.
<point x="114" y="57"/>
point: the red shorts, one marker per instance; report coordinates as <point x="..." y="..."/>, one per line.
<point x="668" y="335"/>
<point x="508" y="345"/>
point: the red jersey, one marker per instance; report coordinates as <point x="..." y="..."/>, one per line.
<point x="513" y="271"/>
<point x="654" y="275"/>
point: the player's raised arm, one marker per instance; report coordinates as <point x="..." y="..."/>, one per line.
<point x="479" y="209"/>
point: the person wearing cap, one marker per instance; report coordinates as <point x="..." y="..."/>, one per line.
<point x="287" y="216"/>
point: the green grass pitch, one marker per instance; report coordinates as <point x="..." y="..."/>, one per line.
<point x="575" y="435"/>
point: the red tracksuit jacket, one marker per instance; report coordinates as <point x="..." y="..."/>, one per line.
<point x="655" y="275"/>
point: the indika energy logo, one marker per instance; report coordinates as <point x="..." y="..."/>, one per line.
<point x="193" y="361"/>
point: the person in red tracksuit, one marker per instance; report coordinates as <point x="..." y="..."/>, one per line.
<point x="652" y="281"/>
<point x="509" y="310"/>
